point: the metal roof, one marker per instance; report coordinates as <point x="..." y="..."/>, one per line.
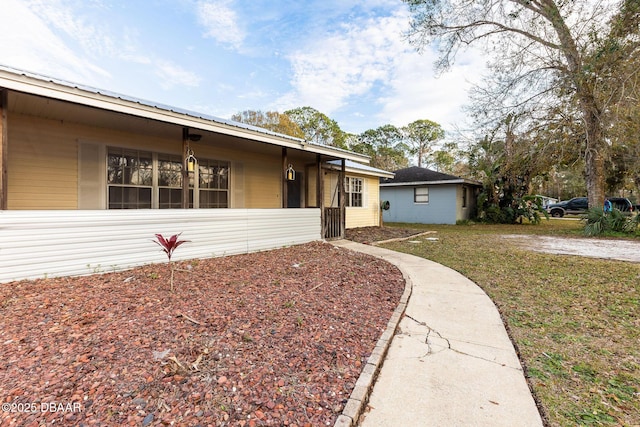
<point x="363" y="169"/>
<point x="36" y="84"/>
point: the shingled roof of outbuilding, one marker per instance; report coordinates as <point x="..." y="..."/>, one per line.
<point x="418" y="175"/>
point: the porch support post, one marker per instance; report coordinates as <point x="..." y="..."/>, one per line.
<point x="285" y="196"/>
<point x="4" y="147"/>
<point x="342" y="199"/>
<point x="185" y="172"/>
<point x="320" y="195"/>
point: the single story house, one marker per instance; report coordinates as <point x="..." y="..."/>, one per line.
<point x="87" y="178"/>
<point x="546" y="200"/>
<point x="424" y="196"/>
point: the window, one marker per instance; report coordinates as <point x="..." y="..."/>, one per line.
<point x="354" y="191"/>
<point x="421" y="195"/>
<point x="143" y="180"/>
<point x="213" y="183"/>
<point x="464" y="197"/>
<point x="169" y="182"/>
<point x="129" y="179"/>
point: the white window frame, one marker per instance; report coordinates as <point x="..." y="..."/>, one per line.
<point x="354" y="187"/>
<point x="423" y="195"/>
<point x="141" y="175"/>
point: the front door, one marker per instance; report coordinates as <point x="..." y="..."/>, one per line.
<point x="294" y="192"/>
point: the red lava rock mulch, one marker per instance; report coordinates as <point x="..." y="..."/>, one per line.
<point x="271" y="338"/>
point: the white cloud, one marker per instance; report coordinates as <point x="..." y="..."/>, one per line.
<point x="172" y="74"/>
<point x="57" y="14"/>
<point x="220" y="22"/>
<point x="416" y="93"/>
<point x="327" y="73"/>
<point x="347" y="63"/>
<point x="27" y="43"/>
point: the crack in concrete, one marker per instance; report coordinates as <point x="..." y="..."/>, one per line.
<point x="449" y="347"/>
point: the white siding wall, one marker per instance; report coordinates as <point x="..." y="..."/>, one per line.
<point x="38" y="244"/>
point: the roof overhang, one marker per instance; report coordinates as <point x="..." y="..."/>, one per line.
<point x="65" y="91"/>
<point x="353" y="167"/>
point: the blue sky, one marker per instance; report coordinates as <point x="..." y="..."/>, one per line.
<point x="347" y="59"/>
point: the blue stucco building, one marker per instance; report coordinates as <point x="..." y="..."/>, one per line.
<point x="424" y="196"/>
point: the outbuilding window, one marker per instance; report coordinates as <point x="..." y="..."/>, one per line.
<point x="421" y="195"/>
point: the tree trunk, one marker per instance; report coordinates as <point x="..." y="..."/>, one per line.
<point x="594" y="171"/>
<point x="594" y="154"/>
<point x="594" y="175"/>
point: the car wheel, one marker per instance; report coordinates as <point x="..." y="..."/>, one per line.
<point x="556" y="214"/>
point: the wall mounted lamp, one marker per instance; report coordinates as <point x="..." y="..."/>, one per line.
<point x="290" y="173"/>
<point x="191" y="160"/>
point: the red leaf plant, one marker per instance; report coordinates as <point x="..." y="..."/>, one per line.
<point x="168" y="246"/>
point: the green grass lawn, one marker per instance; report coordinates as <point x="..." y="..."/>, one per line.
<point x="574" y="320"/>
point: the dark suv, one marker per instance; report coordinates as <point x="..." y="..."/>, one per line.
<point x="579" y="205"/>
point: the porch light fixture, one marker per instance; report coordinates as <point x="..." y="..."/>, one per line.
<point x="290" y="173"/>
<point x="191" y="160"/>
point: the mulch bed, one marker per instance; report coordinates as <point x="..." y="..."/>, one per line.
<point x="271" y="338"/>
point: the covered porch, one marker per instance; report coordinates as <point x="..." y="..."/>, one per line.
<point x="82" y="165"/>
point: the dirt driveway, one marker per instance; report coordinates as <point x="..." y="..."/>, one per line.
<point x="624" y="250"/>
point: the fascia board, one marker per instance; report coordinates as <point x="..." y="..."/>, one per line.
<point x="353" y="170"/>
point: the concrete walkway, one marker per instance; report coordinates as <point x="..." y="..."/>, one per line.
<point x="449" y="363"/>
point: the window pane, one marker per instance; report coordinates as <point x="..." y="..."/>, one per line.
<point x="206" y="174"/>
<point x="213" y="199"/>
<point x="115" y="197"/>
<point x="114" y="169"/>
<point x="170" y="198"/>
<point x="353" y="188"/>
<point x="169" y="171"/>
<point x="357" y="186"/>
<point x="421" y="195"/>
<point x="129" y="198"/>
<point x="223" y="176"/>
<point x="214" y="174"/>
<point x="144" y="198"/>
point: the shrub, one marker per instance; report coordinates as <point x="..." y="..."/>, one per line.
<point x="597" y="222"/>
<point x="168" y="247"/>
<point x="527" y="207"/>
